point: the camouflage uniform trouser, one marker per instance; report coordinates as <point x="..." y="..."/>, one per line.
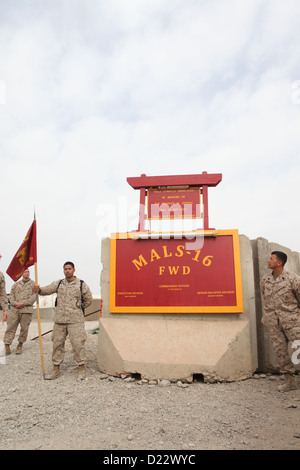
<point x="77" y="335"/>
<point x="281" y="331"/>
<point x="14" y="319"/>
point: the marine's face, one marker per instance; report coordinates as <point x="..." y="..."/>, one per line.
<point x="69" y="271"/>
<point x="274" y="262"/>
<point x="26" y="275"/>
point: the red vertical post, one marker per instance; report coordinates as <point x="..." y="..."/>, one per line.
<point x="205" y="207"/>
<point x="142" y="210"/>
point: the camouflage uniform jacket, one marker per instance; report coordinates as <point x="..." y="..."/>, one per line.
<point x="22" y="292"/>
<point x="281" y="298"/>
<point x="68" y="308"/>
<point x="3" y="296"/>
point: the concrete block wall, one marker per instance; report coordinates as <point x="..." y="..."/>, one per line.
<point x="247" y="351"/>
<point x="221" y="347"/>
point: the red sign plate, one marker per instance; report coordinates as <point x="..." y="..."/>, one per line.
<point x="174" y="203"/>
<point x="175" y="276"/>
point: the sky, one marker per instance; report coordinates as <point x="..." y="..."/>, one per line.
<point x="95" y="91"/>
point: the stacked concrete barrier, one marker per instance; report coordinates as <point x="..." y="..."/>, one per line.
<point x="216" y="347"/>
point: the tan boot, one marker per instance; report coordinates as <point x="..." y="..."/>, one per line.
<point x="19" y="348"/>
<point x="81" y="372"/>
<point x="54" y="374"/>
<point x="7" y="350"/>
<point x="290" y="384"/>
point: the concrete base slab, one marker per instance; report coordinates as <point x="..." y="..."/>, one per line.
<point x="219" y="350"/>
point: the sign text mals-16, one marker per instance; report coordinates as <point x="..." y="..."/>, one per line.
<point x="163" y="276"/>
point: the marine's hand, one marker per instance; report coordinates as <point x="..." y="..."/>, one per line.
<point x="4" y="316"/>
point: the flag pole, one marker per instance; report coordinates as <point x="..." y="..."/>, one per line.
<point x="38" y="314"/>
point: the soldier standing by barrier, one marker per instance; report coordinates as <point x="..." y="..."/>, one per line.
<point x="21" y="302"/>
<point x="281" y="314"/>
<point x="3" y="297"/>
<point x="68" y="319"/>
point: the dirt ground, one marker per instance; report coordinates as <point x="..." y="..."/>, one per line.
<point x="110" y="413"/>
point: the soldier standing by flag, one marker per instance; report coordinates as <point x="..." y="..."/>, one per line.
<point x="25" y="257"/>
<point x="68" y="319"/>
<point x="21" y="301"/>
<point x="3" y="296"/>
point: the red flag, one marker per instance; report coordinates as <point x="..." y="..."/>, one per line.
<point x="26" y="255"/>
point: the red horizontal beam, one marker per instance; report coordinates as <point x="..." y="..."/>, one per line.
<point x="207" y="179"/>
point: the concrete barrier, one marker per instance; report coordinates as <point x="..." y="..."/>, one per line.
<point x="218" y="347"/>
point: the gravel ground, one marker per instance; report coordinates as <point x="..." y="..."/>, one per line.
<point x="110" y="413"/>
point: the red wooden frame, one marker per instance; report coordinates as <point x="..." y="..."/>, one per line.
<point x="203" y="180"/>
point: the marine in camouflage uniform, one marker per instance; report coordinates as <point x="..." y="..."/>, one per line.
<point x="3" y="296"/>
<point x="21" y="301"/>
<point x="281" y="313"/>
<point x="68" y="319"/>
